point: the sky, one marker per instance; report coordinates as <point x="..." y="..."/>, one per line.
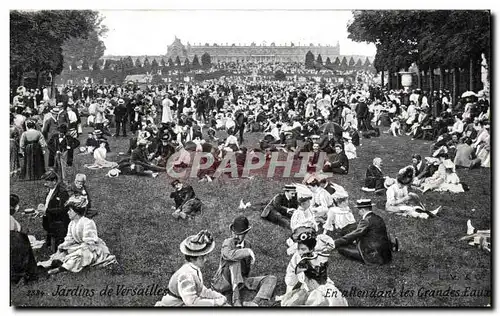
<point x="150" y="32"/>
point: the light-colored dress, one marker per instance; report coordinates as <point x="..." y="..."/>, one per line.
<point x="396" y="192"/>
<point x="187" y="289"/>
<point x="310" y="292"/>
<point x="81" y="248"/>
<point x="100" y="160"/>
<point x="166" y="115"/>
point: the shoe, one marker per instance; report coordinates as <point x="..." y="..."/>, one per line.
<point x="365" y="189"/>
<point x="396" y="246"/>
<point x="436" y="211"/>
<point x="154" y="175"/>
<point x="250" y="304"/>
<point x="237" y="303"/>
<point x="470" y="228"/>
<point x="176" y="215"/>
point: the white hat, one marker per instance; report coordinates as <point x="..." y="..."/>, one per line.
<point x="113" y="173"/>
<point x="198" y="245"/>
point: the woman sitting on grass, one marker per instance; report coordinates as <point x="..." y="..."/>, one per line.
<point x="81" y="247"/>
<point x="306" y="275"/>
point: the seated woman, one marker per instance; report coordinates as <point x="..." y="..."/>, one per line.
<point x="186" y="287"/>
<point x="22" y="260"/>
<point x="100" y="158"/>
<point x="79" y="188"/>
<point x="81" y="247"/>
<point x="302" y="219"/>
<point x="306" y="276"/>
<point x="400" y="202"/>
<point x="349" y="148"/>
<point x="445" y="179"/>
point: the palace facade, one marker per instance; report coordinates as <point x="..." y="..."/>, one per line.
<point x="253" y="52"/>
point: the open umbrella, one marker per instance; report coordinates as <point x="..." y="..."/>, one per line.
<point x="468" y="94"/>
<point x="331" y="127"/>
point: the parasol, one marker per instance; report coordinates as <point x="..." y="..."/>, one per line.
<point x="331" y="127"/>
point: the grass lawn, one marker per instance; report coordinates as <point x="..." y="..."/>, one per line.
<point x="135" y="222"/>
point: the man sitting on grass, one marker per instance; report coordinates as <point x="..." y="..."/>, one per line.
<point x="374" y="181"/>
<point x="186" y="202"/>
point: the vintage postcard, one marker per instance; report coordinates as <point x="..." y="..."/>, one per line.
<point x="250" y="158"/>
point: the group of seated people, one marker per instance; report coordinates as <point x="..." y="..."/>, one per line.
<point x="71" y="234"/>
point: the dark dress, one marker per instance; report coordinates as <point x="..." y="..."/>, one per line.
<point x="34" y="164"/>
<point x="22" y="260"/>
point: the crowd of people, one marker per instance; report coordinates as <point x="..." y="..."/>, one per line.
<point x="165" y="121"/>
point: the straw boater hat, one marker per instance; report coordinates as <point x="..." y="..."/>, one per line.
<point x="364" y="203"/>
<point x="240" y="225"/>
<point x="198" y="245"/>
<point x="55" y="110"/>
<point x="113" y="173"/>
<point x="289" y="188"/>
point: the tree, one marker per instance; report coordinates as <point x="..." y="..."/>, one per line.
<point x="95" y="66"/>
<point x="319" y="60"/>
<point x="359" y="64"/>
<point x="138" y="63"/>
<point x="128" y="63"/>
<point x="187" y="65"/>
<point x="328" y="62"/>
<point x="309" y="62"/>
<point x="367" y="65"/>
<point x="37" y="37"/>
<point x="343" y="64"/>
<point x="336" y="64"/>
<point x="279" y="75"/>
<point x="170" y="63"/>
<point x="351" y="63"/>
<point x="177" y="61"/>
<point x="196" y="63"/>
<point x="154" y="65"/>
<point x="206" y="60"/>
<point x="146" y="65"/>
<point x="163" y="63"/>
<point x="74" y="66"/>
<point x="85" y="65"/>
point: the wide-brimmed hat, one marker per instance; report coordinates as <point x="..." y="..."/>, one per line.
<point x="198" y="245"/>
<point x="406" y="175"/>
<point x="240" y="225"/>
<point x="364" y="203"/>
<point x="113" y="173"/>
<point x="97" y="132"/>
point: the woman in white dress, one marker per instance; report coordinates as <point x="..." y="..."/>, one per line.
<point x="81" y="247"/>
<point x="100" y="158"/>
<point x="306" y="275"/>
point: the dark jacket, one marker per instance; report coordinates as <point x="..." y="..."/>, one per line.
<point x="339" y="160"/>
<point x="280" y="204"/>
<point x="56" y="220"/>
<point x="183" y="195"/>
<point x="371" y="238"/>
<point x="374" y="178"/>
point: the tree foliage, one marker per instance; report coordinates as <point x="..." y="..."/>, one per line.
<point x="37" y="38"/>
<point x="309" y="62"/>
<point x="196" y="63"/>
<point x="206" y="60"/>
<point x="319" y="60"/>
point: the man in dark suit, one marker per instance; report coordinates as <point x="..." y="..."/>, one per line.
<point x="374" y="177"/>
<point x="327" y="143"/>
<point x="121" y="118"/>
<point x="139" y="157"/>
<point x="338" y="162"/>
<point x="373" y="245"/>
<point x="63" y="144"/>
<point x="55" y="218"/>
<point x="362" y="114"/>
<point x="280" y="209"/>
<point x="186" y="202"/>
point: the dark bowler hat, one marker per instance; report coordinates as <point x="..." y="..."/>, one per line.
<point x="364" y="203"/>
<point x="240" y="225"/>
<point x="50" y="175"/>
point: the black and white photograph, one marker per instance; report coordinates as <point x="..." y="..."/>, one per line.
<point x="250" y="158"/>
